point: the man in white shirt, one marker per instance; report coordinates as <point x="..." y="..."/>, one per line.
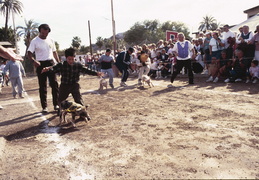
<point x="229" y="40"/>
<point x="46" y="55"/>
<point x="183" y="50"/>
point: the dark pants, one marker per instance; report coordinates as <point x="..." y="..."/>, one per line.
<point x="229" y="52"/>
<point x="42" y="80"/>
<point x="124" y="70"/>
<point x="74" y="89"/>
<point x="179" y="66"/>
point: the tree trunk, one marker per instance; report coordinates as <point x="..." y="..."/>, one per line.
<point x="6" y="23"/>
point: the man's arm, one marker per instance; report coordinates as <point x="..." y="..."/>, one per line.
<point x="8" y="54"/>
<point x="55" y="54"/>
<point x="31" y="57"/>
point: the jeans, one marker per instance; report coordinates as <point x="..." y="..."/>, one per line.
<point x="110" y="74"/>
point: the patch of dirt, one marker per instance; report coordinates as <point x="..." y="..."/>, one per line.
<point x="205" y="130"/>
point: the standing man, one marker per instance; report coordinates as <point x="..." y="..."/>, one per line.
<point x="106" y="61"/>
<point x="45" y="52"/>
<point x="182" y="50"/>
<point x="229" y="39"/>
<point x="123" y="63"/>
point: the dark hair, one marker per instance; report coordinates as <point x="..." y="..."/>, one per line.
<point x="108" y="50"/>
<point x="70" y="52"/>
<point x="44" y="26"/>
<point x="131" y="49"/>
<point x="255" y="62"/>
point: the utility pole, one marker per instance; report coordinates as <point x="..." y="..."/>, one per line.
<point x="90" y="39"/>
<point x="113" y="29"/>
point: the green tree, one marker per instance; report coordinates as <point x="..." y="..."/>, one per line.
<point x="136" y="34"/>
<point x="9" y="34"/>
<point x="99" y="42"/>
<point x="208" y="23"/>
<point x="76" y="42"/>
<point x="108" y="43"/>
<point x="28" y="32"/>
<point x="84" y="49"/>
<point x="8" y="7"/>
<point x="152" y="31"/>
<point x="175" y="26"/>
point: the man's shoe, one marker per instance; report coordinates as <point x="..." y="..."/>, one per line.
<point x="14" y="96"/>
<point x="216" y="79"/>
<point x="238" y="80"/>
<point x="123" y="84"/>
<point x="170" y="85"/>
<point x="21" y="96"/>
<point x="227" y="80"/>
<point x="56" y="107"/>
<point x="112" y="86"/>
<point x="45" y="110"/>
<point x="210" y="79"/>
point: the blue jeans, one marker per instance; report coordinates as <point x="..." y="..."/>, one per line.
<point x="110" y="74"/>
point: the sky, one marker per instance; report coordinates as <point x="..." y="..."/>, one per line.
<point x="68" y="19"/>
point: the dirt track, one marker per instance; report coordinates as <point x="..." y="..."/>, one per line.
<point x="204" y="130"/>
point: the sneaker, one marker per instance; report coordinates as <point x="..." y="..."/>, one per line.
<point x="56" y="107"/>
<point x="170" y="85"/>
<point x="205" y="72"/>
<point x="227" y="80"/>
<point x="45" y="110"/>
<point x="21" y="95"/>
<point x="112" y="86"/>
<point x="216" y="79"/>
<point x="247" y="81"/>
<point x="238" y="80"/>
<point x="210" y="79"/>
<point x="254" y="81"/>
<point x="123" y="84"/>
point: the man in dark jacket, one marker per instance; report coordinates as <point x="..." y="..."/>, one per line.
<point x="122" y="63"/>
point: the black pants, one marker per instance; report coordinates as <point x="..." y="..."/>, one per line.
<point x="124" y="70"/>
<point x="74" y="89"/>
<point x="42" y="80"/>
<point x="179" y="66"/>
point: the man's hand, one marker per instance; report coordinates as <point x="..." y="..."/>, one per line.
<point x="99" y="74"/>
<point x="36" y="63"/>
<point x="45" y="69"/>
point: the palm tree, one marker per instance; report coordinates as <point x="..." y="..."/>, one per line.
<point x="8" y="7"/>
<point x="28" y="32"/>
<point x="208" y="23"/>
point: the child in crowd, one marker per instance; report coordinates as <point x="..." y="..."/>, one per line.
<point x="16" y="71"/>
<point x="5" y="79"/>
<point x="70" y="75"/>
<point x="239" y="68"/>
<point x="225" y="66"/>
<point x="153" y="68"/>
<point x="213" y="69"/>
<point x="159" y="70"/>
<point x="253" y="72"/>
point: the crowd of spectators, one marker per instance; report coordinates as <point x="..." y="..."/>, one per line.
<point x="222" y="54"/>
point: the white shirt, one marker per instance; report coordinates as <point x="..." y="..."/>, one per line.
<point x="215" y="46"/>
<point x="251" y="35"/>
<point x="254" y="71"/>
<point x="43" y="48"/>
<point x="226" y="35"/>
<point x="190" y="47"/>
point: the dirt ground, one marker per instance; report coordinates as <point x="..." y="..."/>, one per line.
<point x="205" y="130"/>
